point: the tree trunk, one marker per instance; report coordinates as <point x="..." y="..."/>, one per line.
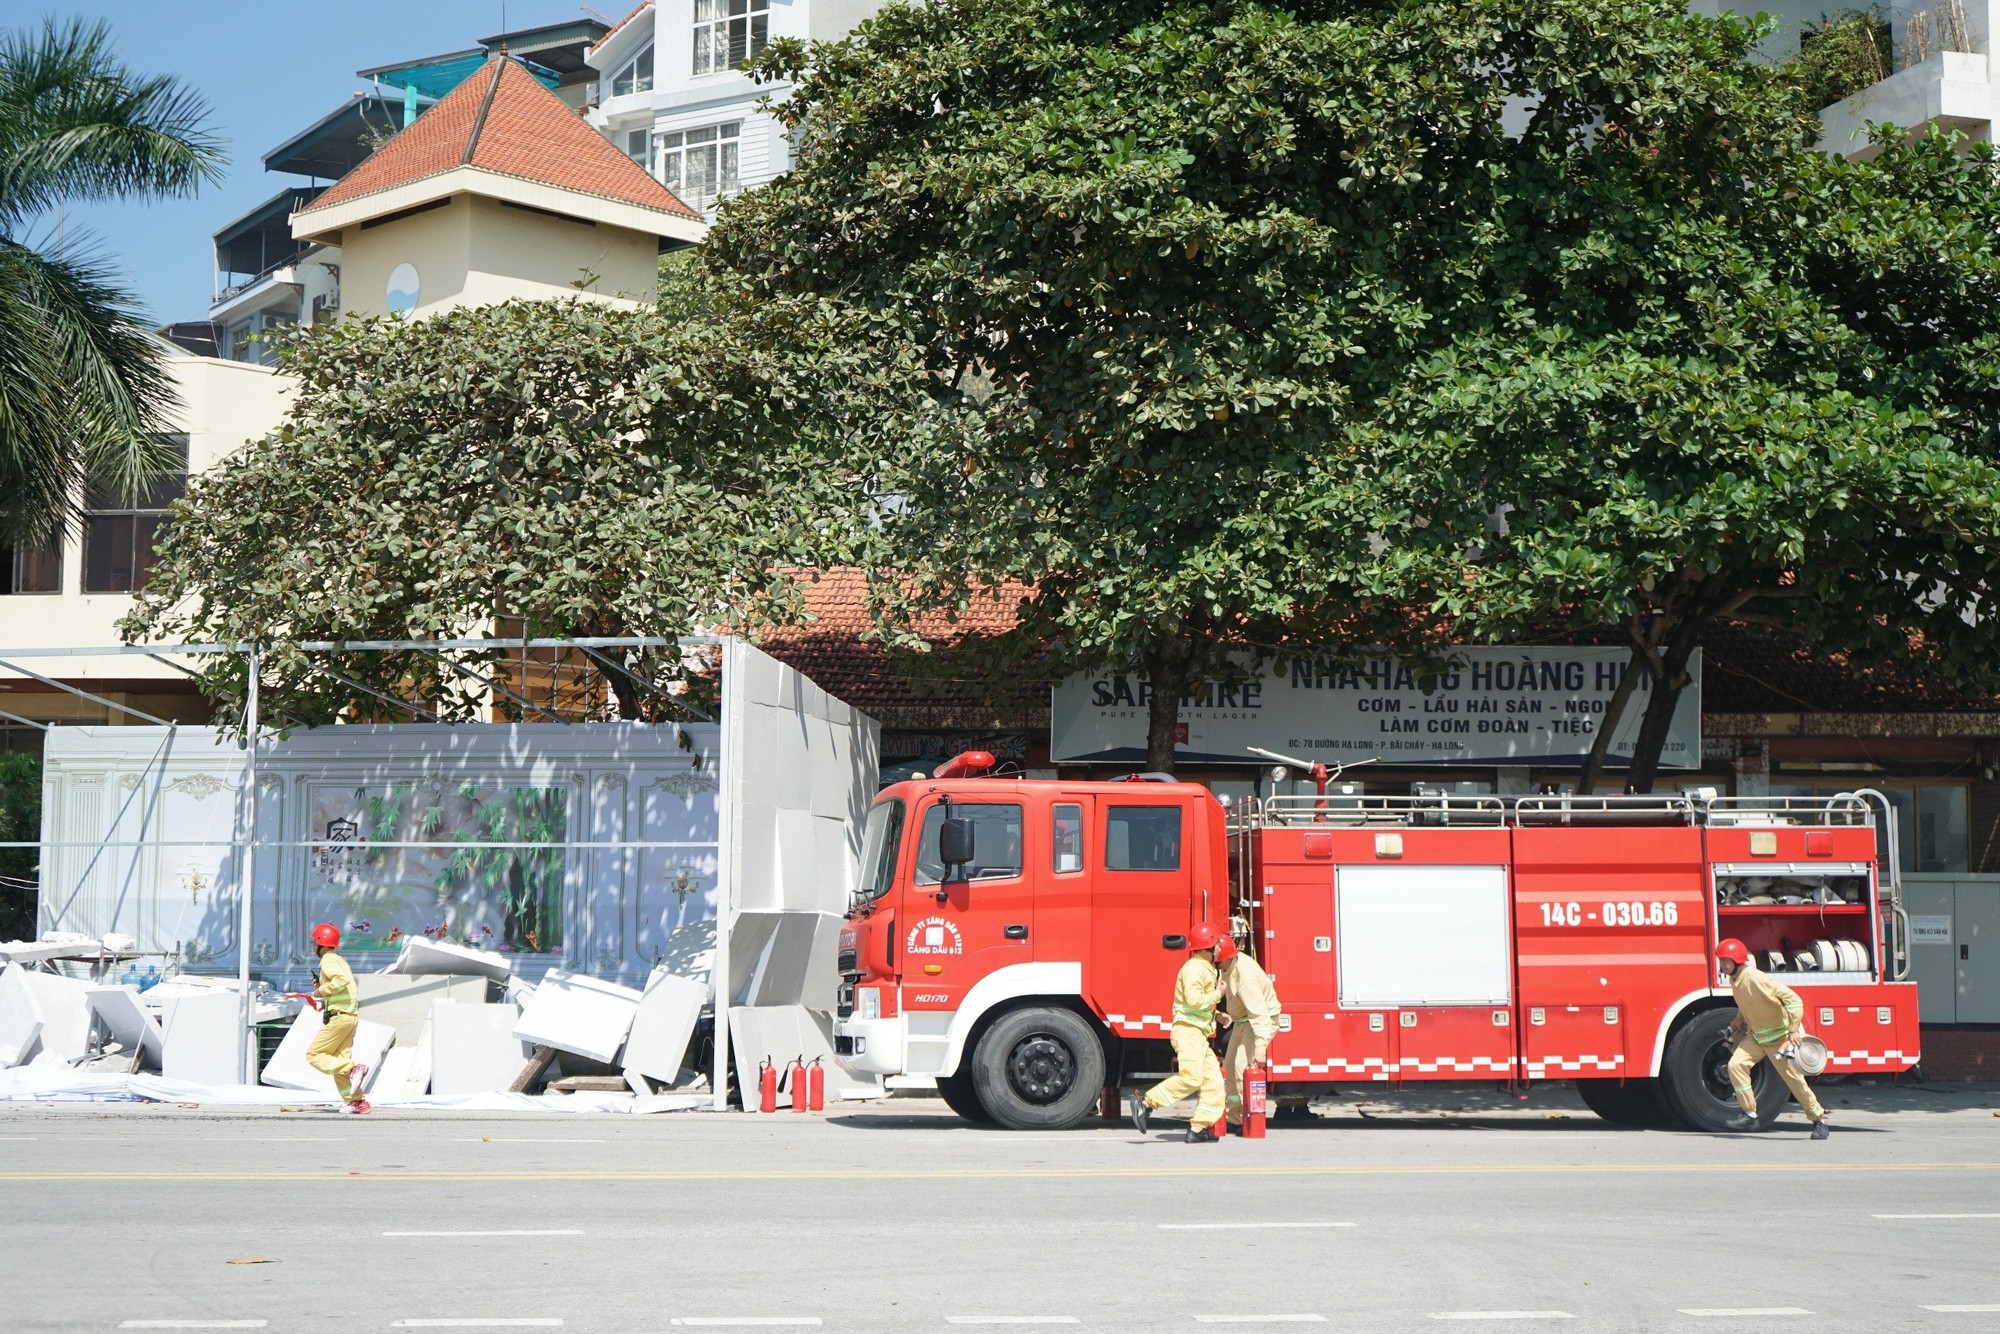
<point x="1614" y="711"/>
<point x="1660" y="714"/>
<point x="1167" y="664"/>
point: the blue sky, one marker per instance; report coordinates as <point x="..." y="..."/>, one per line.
<point x="268" y="69"/>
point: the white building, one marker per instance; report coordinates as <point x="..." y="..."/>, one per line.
<point x="1943" y="73"/>
<point x="671" y="97"/>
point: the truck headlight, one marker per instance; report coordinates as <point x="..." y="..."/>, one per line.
<point x="868" y="1003"/>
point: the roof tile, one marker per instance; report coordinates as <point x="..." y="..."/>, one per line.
<point x="504" y="121"/>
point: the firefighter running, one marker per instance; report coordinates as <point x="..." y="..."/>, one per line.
<point x="1196" y="993"/>
<point x="332" y="1049"/>
<point x="1252" y="1016"/>
<point x="1769" y="1017"/>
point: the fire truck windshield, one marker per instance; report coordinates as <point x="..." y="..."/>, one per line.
<point x="880" y="841"/>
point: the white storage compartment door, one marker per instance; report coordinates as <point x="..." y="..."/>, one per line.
<point x="1422" y="935"/>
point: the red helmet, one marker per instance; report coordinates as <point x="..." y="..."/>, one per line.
<point x="1225" y="950"/>
<point x="1201" y="936"/>
<point x="327" y="934"/>
<point x="1733" y="951"/>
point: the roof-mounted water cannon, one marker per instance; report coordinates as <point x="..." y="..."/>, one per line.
<point x="1321" y="775"/>
<point x="965" y="764"/>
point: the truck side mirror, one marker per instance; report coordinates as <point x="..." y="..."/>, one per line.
<point x="955" y="844"/>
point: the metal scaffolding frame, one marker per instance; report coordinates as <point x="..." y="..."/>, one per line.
<point x="244" y="838"/>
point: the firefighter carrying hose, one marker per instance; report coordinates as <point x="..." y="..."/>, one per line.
<point x="1769" y="1020"/>
<point x="332" y="1049"/>
<point x="1252" y="1016"/>
<point x="1197" y="991"/>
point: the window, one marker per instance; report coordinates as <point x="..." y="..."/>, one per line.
<point x="119" y="531"/>
<point x="31" y="569"/>
<point x="881" y="840"/>
<point x="699" y="166"/>
<point x="1068" y="838"/>
<point x="729" y="32"/>
<point x="1931" y="820"/>
<point x="996" y="842"/>
<point x="1143" y="838"/>
<point x="636" y="74"/>
<point x="639" y="147"/>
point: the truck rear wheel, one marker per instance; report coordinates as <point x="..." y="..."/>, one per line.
<point x="961" y="1097"/>
<point x="1627" y="1102"/>
<point x="1039" y="1069"/>
<point x="1695" y="1076"/>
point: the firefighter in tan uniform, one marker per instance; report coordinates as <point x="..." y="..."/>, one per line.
<point x="332" y="1049"/>
<point x="1197" y="991"/>
<point x="1252" y="1015"/>
<point x="1769" y="1019"/>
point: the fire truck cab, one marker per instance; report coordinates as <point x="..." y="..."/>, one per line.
<point x="1018" y="939"/>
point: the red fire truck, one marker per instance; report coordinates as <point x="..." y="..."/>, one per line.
<point x="1018" y="938"/>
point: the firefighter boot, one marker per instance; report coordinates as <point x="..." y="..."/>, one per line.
<point x="1741" y="1123"/>
<point x="1821" y="1129"/>
<point x="1140" y="1112"/>
<point x="1206" y="1136"/>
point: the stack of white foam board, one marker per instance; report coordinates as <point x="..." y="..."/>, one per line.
<point x="474" y="1050"/>
<point x="118" y="1010"/>
<point x="578" y="1014"/>
<point x="424" y="957"/>
<point x="404" y="1003"/>
<point x="20" y="1018"/>
<point x="204" y="1038"/>
<point x="690" y="952"/>
<point x="406" y="1067"/>
<point x="657" y="1046"/>
<point x="288" y="1068"/>
<point x="65" y="1006"/>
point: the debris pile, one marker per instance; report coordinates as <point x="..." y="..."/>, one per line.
<point x="440" y="1025"/>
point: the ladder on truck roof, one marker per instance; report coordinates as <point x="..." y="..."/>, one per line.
<point x="1424" y="810"/>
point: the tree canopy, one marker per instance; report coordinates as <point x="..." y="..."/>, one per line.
<point x="1346" y="321"/>
<point x="83" y="389"/>
<point x="566" y="468"/>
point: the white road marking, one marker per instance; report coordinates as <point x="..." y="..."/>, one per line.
<point x="746" y="1320"/>
<point x="522" y="1232"/>
<point x="495" y="1139"/>
<point x="1231" y="1227"/>
<point x="1744" y="1310"/>
<point x="480" y="1322"/>
<point x="1261" y="1319"/>
<point x="1934" y="1215"/>
<point x="1011" y="1320"/>
<point x="192" y="1324"/>
<point x="1501" y="1315"/>
<point x="15" y="1139"/>
<point x="1965" y="1310"/>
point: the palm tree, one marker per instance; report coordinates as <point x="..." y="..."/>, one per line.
<point x="83" y="386"/>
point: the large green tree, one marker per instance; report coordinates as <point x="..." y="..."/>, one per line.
<point x="1781" y="415"/>
<point x="83" y="388"/>
<point x="1299" y="324"/>
<point x="576" y="468"/>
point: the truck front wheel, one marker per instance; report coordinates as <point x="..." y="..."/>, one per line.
<point x="1039" y="1069"/>
<point x="1695" y="1075"/>
<point x="958" y="1094"/>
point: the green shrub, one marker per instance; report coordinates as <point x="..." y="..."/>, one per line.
<point x="1842" y="54"/>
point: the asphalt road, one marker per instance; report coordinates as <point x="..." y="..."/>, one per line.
<point x="1465" y="1210"/>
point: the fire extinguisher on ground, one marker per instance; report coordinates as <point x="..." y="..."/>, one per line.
<point x="816" y="1086"/>
<point x="1256" y="1100"/>
<point x="795" y="1073"/>
<point x="767" y="1087"/>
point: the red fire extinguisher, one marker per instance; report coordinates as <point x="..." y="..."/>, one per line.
<point x="796" y="1075"/>
<point x="816" y="1086"/>
<point x="1256" y="1100"/>
<point x="767" y="1087"/>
